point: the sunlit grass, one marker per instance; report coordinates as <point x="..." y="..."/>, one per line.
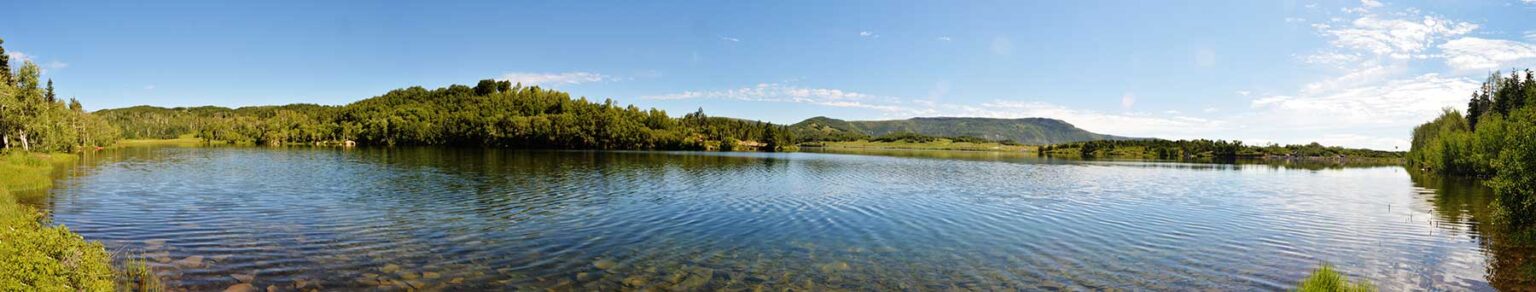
<point x="36" y="255"/>
<point x="29" y="171"/>
<point x="1325" y="279"/>
<point x="188" y="140"/>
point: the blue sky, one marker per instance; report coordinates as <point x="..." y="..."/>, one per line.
<point x="1347" y="73"/>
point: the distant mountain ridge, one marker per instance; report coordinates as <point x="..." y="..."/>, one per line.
<point x="1037" y="131"/>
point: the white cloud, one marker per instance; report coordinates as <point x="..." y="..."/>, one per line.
<point x="1127" y="124"/>
<point x="1395" y="38"/>
<point x="1127" y="100"/>
<point x="776" y="92"/>
<point x="868" y="34"/>
<point x="566" y="78"/>
<point x="1396" y="104"/>
<point x="1295" y="20"/>
<point x="18" y="57"/>
<point x="945" y="38"/>
<point x="1210" y="110"/>
<point x="1470" y="53"/>
<point x="1244" y="92"/>
<point x="1370" y="4"/>
<point x="730" y="39"/>
<point x="1530" y="35"/>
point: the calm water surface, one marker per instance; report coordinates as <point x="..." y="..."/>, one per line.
<point x="317" y="218"/>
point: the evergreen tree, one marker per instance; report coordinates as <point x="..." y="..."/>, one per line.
<point x="5" y="65"/>
<point x="49" y="96"/>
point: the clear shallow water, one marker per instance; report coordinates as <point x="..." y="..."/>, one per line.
<point x="485" y="219"/>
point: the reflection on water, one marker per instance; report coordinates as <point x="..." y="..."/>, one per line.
<point x="1466" y="207"/>
<point x="486" y="219"/>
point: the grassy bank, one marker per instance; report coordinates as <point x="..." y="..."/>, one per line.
<point x="36" y="255"/>
<point x="182" y="141"/>
<point x="937" y="144"/>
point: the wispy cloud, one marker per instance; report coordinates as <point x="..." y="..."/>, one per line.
<point x="944" y="39"/>
<point x="566" y="78"/>
<point x="777" y="92"/>
<point x="868" y="34"/>
<point x="18" y="56"/>
<point x="1166" y="125"/>
<point x="730" y="39"/>
<point x="1472" y="53"/>
<point x="1395" y="38"/>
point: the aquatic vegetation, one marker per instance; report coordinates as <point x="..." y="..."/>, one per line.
<point x="1325" y="279"/>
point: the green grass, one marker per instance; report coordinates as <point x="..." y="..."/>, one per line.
<point x="939" y="144"/>
<point x="29" y="171"/>
<point x="36" y="255"/>
<point x="1325" y="279"/>
<point x="183" y="141"/>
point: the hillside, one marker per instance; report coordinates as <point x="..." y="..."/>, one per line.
<point x="1035" y="131"/>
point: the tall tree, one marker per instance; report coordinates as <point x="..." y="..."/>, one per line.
<point x="5" y="65"/>
<point x="48" y="95"/>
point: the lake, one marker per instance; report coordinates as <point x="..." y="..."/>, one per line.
<point x="433" y="218"/>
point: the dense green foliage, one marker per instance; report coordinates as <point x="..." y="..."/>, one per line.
<point x="494" y="113"/>
<point x="35" y="256"/>
<point x="1035" y="131"/>
<point x="1496" y="140"/>
<point x="1325" y="279"/>
<point x="35" y="125"/>
<point x="1201" y="148"/>
<point x="34" y="119"/>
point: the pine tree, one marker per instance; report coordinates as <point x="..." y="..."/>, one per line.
<point x="5" y="65"/>
<point x="49" y="94"/>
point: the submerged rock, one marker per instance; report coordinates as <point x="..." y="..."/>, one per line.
<point x="390" y="268"/>
<point x="242" y="287"/>
<point x="604" y="264"/>
<point x="191" y="262"/>
<point x="636" y="281"/>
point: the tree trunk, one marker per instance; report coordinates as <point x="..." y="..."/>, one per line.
<point x="25" y="145"/>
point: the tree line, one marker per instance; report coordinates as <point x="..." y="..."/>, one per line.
<point x="1203" y="148"/>
<point x="1494" y="141"/>
<point x="34" y="118"/>
<point x="492" y="113"/>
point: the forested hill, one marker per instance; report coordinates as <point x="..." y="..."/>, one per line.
<point x="492" y="113"/>
<point x="1036" y="131"/>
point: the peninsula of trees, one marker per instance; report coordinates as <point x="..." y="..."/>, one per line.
<point x="1494" y="141"/>
<point x="492" y="113"/>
